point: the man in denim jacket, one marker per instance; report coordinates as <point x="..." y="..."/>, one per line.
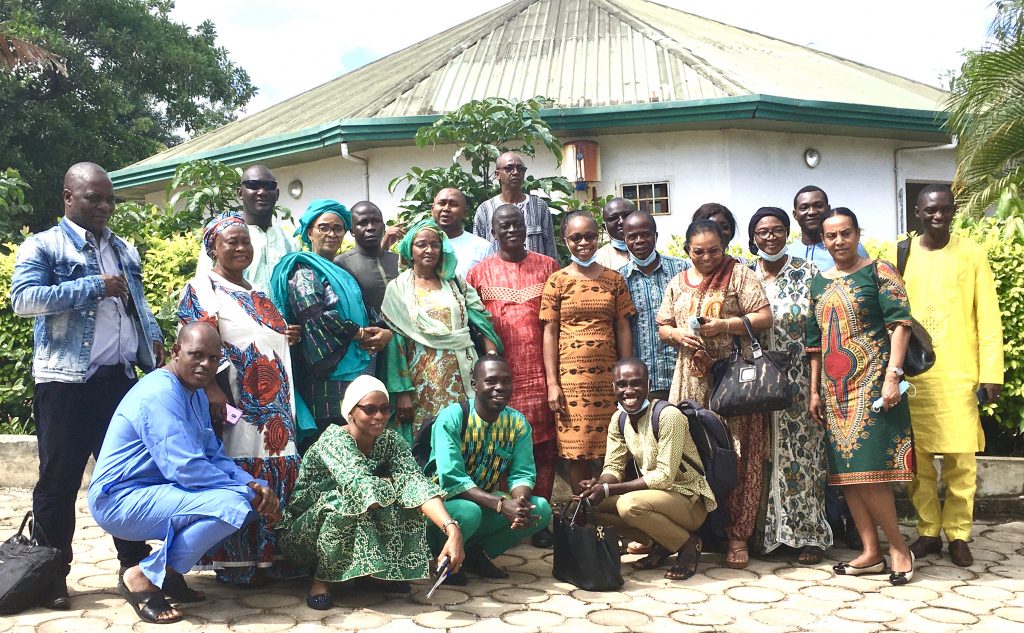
<point x="83" y="286"/>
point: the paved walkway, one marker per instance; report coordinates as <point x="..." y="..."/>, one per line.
<point x="769" y="596"/>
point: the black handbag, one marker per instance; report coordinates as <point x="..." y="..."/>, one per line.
<point x="920" y="355"/>
<point x="27" y="569"/>
<point x="586" y="555"/>
<point x="757" y="385"/>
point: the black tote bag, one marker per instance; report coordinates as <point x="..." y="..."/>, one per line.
<point x="586" y="555"/>
<point x="743" y="386"/>
<point x="27" y="569"/>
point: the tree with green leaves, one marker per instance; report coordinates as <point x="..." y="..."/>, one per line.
<point x="136" y="81"/>
<point x="986" y="113"/>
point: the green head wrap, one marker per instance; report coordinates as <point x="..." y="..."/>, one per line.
<point x="317" y="208"/>
<point x="446" y="265"/>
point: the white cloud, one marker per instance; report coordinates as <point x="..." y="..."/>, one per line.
<point x="288" y="48"/>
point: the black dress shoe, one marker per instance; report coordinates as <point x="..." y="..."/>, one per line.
<point x="478" y="563"/>
<point x="542" y="539"/>
<point x="57" y="597"/>
<point x="960" y="553"/>
<point x="458" y="579"/>
<point x="926" y="545"/>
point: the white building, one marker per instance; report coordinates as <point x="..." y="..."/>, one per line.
<point x="689" y="109"/>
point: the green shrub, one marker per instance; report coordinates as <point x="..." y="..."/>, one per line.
<point x="169" y="263"/>
<point x="16" y="384"/>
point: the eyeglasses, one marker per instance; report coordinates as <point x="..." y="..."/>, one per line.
<point x="334" y="229"/>
<point x="511" y="169"/>
<point x="372" y="409"/>
<point x="576" y="238"/>
<point x="778" y="231"/>
<point x="425" y="245"/>
<point x="256" y="185"/>
<point x="700" y="252"/>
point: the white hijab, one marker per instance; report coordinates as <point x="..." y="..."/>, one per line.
<point x="358" y="389"/>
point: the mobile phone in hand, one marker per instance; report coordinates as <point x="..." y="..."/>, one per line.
<point x="982" y="396"/>
<point x="233" y="414"/>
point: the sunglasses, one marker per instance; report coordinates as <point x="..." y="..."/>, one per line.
<point x="576" y="238"/>
<point x="511" y="169"/>
<point x="372" y="410"/>
<point x="256" y="185"/>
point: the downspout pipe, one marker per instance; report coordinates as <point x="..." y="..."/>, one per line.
<point x="901" y="191"/>
<point x="366" y="168"/>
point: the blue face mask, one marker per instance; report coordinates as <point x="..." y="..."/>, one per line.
<point x="643" y="407"/>
<point x="585" y="263"/>
<point x="619" y="245"/>
<point x="644" y="262"/>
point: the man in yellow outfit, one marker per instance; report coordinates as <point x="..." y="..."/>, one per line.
<point x="952" y="293"/>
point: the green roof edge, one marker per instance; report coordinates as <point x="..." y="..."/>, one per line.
<point x="742" y="107"/>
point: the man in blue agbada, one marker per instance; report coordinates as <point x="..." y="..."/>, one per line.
<point x="162" y="475"/>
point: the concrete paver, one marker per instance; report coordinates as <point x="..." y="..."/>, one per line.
<point x="772" y="595"/>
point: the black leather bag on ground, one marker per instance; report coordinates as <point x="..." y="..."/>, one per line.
<point x="27" y="569"/>
<point x="743" y="386"/>
<point x="586" y="555"/>
<point x="920" y="355"/>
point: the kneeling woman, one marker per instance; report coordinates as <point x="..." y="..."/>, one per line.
<point x="355" y="512"/>
<point x="664" y="502"/>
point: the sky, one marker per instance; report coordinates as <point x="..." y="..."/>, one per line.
<point x="290" y="47"/>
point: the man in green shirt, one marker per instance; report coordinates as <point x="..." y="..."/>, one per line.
<point x="498" y="449"/>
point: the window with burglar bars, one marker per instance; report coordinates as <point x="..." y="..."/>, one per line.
<point x="651" y="197"/>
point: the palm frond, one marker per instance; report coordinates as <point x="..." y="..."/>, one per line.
<point x="16" y="52"/>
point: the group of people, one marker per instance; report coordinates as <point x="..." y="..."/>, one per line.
<point x="275" y="441"/>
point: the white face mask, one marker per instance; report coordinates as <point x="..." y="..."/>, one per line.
<point x="644" y="262"/>
<point x="619" y="245"/>
<point x="643" y="407"/>
<point x="771" y="258"/>
<point x="586" y="263"/>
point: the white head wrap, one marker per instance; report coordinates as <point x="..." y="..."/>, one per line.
<point x="358" y="389"/>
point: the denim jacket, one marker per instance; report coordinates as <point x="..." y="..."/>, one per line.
<point x="57" y="281"/>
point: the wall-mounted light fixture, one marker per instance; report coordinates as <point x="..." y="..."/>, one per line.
<point x="295" y="188"/>
<point x="812" y="157"/>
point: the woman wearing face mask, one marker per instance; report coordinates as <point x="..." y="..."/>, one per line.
<point x="718" y="292"/>
<point x="586" y="309"/>
<point x="795" y="512"/>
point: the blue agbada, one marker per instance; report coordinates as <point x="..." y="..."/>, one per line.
<point x="162" y="475"/>
<point x="350" y="303"/>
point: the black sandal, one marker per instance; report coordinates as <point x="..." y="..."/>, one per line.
<point x="148" y="605"/>
<point x="810" y="555"/>
<point x="175" y="588"/>
<point x="686" y="560"/>
<point x="653" y="560"/>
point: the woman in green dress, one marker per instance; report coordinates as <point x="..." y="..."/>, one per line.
<point x="856" y="340"/>
<point x="358" y="506"/>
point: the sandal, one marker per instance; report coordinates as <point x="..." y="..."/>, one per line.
<point x="148" y="605"/>
<point x="732" y="560"/>
<point x="686" y="560"/>
<point x="176" y="589"/>
<point x="639" y="548"/>
<point x="810" y="555"/>
<point x="320" y="602"/>
<point x="653" y="560"/>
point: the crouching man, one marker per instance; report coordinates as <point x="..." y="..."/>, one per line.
<point x="659" y="495"/>
<point x="162" y="475"/>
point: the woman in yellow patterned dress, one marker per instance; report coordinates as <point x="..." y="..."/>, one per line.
<point x="585" y="308"/>
<point x="856" y="340"/>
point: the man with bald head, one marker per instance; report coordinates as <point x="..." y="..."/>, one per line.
<point x="614" y="254"/>
<point x="540" y="233"/>
<point x="83" y="286"/>
<point x="162" y="474"/>
<point x="271" y="240"/>
<point x="371" y="265"/>
<point x="449" y="211"/>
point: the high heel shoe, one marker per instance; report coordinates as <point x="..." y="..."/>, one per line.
<point x="899" y="578"/>
<point x="846" y="569"/>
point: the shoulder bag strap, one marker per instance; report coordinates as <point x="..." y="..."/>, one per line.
<point x="902" y="253"/>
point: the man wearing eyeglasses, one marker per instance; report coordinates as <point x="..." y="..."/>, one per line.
<point x="540" y="233"/>
<point x="809" y="204"/>
<point x="270" y="239"/>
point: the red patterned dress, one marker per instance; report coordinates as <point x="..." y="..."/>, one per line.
<point x="258" y="364"/>
<point x="853" y="315"/>
<point x="511" y="292"/>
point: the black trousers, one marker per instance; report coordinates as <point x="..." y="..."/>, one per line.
<point x="71" y="420"/>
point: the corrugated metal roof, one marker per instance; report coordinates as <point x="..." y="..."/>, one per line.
<point x="580" y="53"/>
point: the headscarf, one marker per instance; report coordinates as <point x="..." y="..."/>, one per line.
<point x="218" y="225"/>
<point x="357" y="390"/>
<point x="317" y="208"/>
<point x="448" y="261"/>
<point x="760" y="214"/>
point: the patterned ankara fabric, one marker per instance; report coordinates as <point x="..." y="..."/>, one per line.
<point x="586" y="311"/>
<point x="853" y="315"/>
<point x="329" y="525"/>
<point x="511" y="292"/>
<point x="268" y="247"/>
<point x="647" y="292"/>
<point x="258" y="362"/>
<point x="742" y="294"/>
<point x="795" y="503"/>
<point x="540" y="232"/>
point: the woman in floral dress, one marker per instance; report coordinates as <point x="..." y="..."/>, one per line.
<point x="795" y="501"/>
<point x="255" y="377"/>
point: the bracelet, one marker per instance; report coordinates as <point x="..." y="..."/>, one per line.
<point x="450" y="521"/>
<point x="498" y="509"/>
<point x="607" y="492"/>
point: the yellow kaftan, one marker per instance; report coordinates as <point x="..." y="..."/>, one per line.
<point x="952" y="294"/>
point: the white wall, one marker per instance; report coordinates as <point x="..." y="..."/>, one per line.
<point x="742" y="169"/>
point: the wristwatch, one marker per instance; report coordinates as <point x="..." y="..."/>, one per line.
<point x="896" y="370"/>
<point x="444" y="526"/>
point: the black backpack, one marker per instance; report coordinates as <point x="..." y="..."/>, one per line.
<point x="711" y="435"/>
<point x="421" y="443"/>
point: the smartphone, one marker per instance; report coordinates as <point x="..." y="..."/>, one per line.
<point x="982" y="396"/>
<point x="233" y="414"/>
